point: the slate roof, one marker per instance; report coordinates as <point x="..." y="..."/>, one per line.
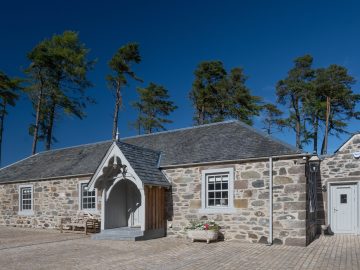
<point x="83" y="160"/>
<point x="78" y="160"/>
<point x="229" y="140"/>
<point x="145" y="163"/>
<point x="224" y="141"/>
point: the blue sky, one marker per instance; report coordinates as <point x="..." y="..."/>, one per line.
<point x="263" y="37"/>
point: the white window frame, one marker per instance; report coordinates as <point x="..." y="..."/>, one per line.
<point x="92" y="210"/>
<point x="27" y="212"/>
<point x="204" y="193"/>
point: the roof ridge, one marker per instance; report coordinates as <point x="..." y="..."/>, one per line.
<point x="75" y="146"/>
<point x="140" y="147"/>
<point x="180" y="129"/>
<point x="267" y="136"/>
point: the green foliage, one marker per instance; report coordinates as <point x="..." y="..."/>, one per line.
<point x="8" y="87"/>
<point x="217" y="95"/>
<point x="121" y="69"/>
<point x="203" y="225"/>
<point x="291" y="92"/>
<point x="305" y="91"/>
<point x="154" y="106"/>
<point x="57" y="76"/>
<point x="8" y="96"/>
<point x="335" y="83"/>
<point x="272" y="118"/>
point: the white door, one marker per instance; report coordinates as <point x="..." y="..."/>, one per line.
<point x="343" y="208"/>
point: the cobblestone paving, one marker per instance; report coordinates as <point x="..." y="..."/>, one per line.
<point x="39" y="249"/>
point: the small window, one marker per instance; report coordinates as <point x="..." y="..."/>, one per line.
<point x="343" y="198"/>
<point x="25" y="199"/>
<point x="217" y="190"/>
<point x="88" y="198"/>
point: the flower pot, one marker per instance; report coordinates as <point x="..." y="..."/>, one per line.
<point x="206" y="235"/>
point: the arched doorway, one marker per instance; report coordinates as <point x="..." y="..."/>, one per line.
<point x="123" y="205"/>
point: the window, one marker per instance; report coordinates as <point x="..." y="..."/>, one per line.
<point x="343" y="198"/>
<point x="87" y="198"/>
<point x="26" y="199"/>
<point x="217" y="190"/>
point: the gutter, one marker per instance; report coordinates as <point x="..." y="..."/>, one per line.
<point x="47" y="178"/>
<point x="234" y="161"/>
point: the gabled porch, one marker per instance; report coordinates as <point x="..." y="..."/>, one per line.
<point x="133" y="202"/>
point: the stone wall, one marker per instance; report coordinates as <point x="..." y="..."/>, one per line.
<point x="340" y="167"/>
<point x="53" y="200"/>
<point x="250" y="219"/>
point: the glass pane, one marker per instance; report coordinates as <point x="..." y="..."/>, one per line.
<point x="224" y="185"/>
<point x="211" y="186"/>
<point x="211" y="202"/>
<point x="218" y="186"/>
<point x="224" y="202"/>
<point x="217" y="194"/>
<point x="217" y="202"/>
<point x="211" y="178"/>
<point x="343" y="198"/>
<point x="211" y="194"/>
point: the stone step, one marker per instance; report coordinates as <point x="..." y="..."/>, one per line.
<point x="129" y="234"/>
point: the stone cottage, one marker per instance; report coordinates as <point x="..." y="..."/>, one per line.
<point x="257" y="188"/>
<point x="339" y="188"/>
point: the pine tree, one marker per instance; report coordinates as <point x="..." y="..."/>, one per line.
<point x="121" y="69"/>
<point x="336" y="101"/>
<point x="217" y="95"/>
<point x="291" y="92"/>
<point x="58" y="80"/>
<point x="8" y="97"/>
<point x="154" y="107"/>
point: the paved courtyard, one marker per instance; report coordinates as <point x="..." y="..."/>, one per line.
<point x="40" y="249"/>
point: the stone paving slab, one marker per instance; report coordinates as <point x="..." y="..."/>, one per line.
<point x="46" y="249"/>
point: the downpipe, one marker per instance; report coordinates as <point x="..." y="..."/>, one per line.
<point x="270" y="238"/>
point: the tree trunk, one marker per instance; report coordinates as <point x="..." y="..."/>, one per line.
<point x="116" y="111"/>
<point x="139" y="122"/>
<point x="2" y="118"/>
<point x="325" y="142"/>
<point x="37" y="120"/>
<point x="49" y="129"/>
<point x="298" y="134"/>
<point x="202" y="115"/>
<point x="315" y="135"/>
<point x="295" y="104"/>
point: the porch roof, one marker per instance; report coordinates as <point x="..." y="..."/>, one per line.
<point x="145" y="163"/>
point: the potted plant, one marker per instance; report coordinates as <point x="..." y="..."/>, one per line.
<point x="203" y="230"/>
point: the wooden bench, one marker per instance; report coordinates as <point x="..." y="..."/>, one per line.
<point x="87" y="223"/>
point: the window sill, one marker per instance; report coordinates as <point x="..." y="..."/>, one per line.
<point x="26" y="213"/>
<point x="90" y="211"/>
<point x="227" y="210"/>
